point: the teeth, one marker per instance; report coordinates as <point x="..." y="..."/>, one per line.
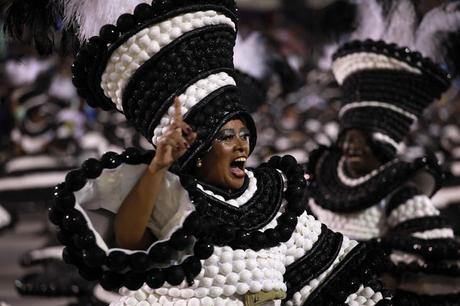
<point x="241" y="159"/>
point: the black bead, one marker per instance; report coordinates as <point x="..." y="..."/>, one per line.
<point x="226" y="234"/>
<point x="147" y="157"/>
<point x="180" y="240"/>
<point x="109" y="33"/>
<point x="243" y="238"/>
<point x="192" y="266"/>
<point x="203" y="250"/>
<point x="175" y="275"/>
<point x="297" y="207"/>
<point x="111" y="281"/>
<point x="71" y="256"/>
<point x="155" y="279"/>
<point x="285" y="233"/>
<point x="139" y="262"/>
<point x="259" y="239"/>
<point x="134" y="281"/>
<point x="55" y="216"/>
<point x="94" y="257"/>
<point x="64" y="200"/>
<point x="131" y="156"/>
<point x="84" y="240"/>
<point x="117" y="261"/>
<point x="272" y="235"/>
<point x="160" y="252"/>
<point x="288" y="218"/>
<point x="287" y="162"/>
<point x="78" y="81"/>
<point x="125" y="22"/>
<point x="90" y="274"/>
<point x="110" y="160"/>
<point x="192" y="224"/>
<point x="92" y="168"/>
<point x="75" y="180"/>
<point x="143" y="12"/>
<point x="74" y="221"/>
<point x="64" y="237"/>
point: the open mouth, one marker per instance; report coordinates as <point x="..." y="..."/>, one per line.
<point x="237" y="167"/>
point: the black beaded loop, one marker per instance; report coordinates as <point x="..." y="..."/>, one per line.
<point x="94" y="263"/>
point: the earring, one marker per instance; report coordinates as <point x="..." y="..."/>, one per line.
<point x="199" y="163"/>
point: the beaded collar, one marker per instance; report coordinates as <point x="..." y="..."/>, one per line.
<point x="237" y="198"/>
<point x="333" y="190"/>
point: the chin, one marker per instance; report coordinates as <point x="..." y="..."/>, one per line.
<point x="236" y="184"/>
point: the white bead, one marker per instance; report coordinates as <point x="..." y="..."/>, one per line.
<point x="239" y="254"/>
<point x="251" y="264"/>
<point x="242" y="288"/>
<point x="225" y="268"/>
<point x="267" y="285"/>
<point x="187" y="293"/>
<point x="201" y="292"/>
<point x="174" y="292"/>
<point x="232" y="279"/>
<point x="175" y="32"/>
<point x="215" y="291"/>
<point x="211" y="271"/>
<point x="257" y="274"/>
<point x="361" y="299"/>
<point x="367" y="292"/>
<point x="194" y="302"/>
<point x="162" y="291"/>
<point x="219" y="280"/>
<point x="239" y="265"/>
<point x="180" y="303"/>
<point x="131" y="301"/>
<point x="255" y="286"/>
<point x="245" y="276"/>
<point x="229" y="290"/>
<point x="144" y="303"/>
<point x="207" y="301"/>
<point x="206" y="282"/>
<point x="140" y="295"/>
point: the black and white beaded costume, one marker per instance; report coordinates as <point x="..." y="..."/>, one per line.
<point x="255" y="246"/>
<point x="386" y="88"/>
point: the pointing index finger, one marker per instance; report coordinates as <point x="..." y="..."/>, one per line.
<point x="177" y="111"/>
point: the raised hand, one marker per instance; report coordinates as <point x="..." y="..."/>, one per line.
<point x="178" y="137"/>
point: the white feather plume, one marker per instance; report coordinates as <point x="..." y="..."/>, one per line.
<point x="402" y="22"/>
<point x="90" y="15"/>
<point x="370" y="20"/>
<point x="434" y="27"/>
<point x="251" y="56"/>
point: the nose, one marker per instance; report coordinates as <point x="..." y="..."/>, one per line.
<point x="241" y="145"/>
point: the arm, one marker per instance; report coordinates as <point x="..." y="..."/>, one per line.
<point x="416" y="227"/>
<point x="135" y="212"/>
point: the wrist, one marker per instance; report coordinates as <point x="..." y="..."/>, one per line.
<point x="155" y="167"/>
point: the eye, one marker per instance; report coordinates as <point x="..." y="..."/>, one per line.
<point x="245" y="136"/>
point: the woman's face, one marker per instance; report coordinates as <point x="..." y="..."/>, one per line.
<point x="358" y="155"/>
<point x="223" y="166"/>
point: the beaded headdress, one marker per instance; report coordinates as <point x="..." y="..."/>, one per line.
<point x="160" y="51"/>
<point x="389" y="75"/>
